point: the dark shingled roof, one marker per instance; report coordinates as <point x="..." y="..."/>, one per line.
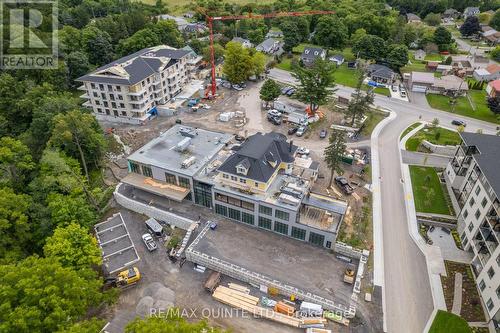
<point x="142" y="64"/>
<point x="258" y="154"/>
<point x="487" y="158"/>
<point x="312" y="52"/>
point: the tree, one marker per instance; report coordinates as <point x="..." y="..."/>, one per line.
<point x="495" y="53"/>
<point x="237" y="63"/>
<point x="494" y="104"/>
<point x="443" y="38"/>
<point x="470" y="27"/>
<point x="78" y="65"/>
<point x="331" y="32"/>
<point x="334" y="152"/>
<point x="167" y="33"/>
<point x="370" y="47"/>
<point x="397" y="56"/>
<point x="70" y="208"/>
<point x="269" y="91"/>
<point x="218" y="52"/>
<point x="14" y="226"/>
<point x="435" y="122"/>
<point x="357" y="35"/>
<point x="495" y="20"/>
<point x="316" y="83"/>
<point x="40" y="295"/>
<point x="15" y="163"/>
<point x="360" y="103"/>
<point x="70" y="39"/>
<point x="291" y="36"/>
<point x="170" y="321"/>
<point x="11" y="91"/>
<point x="87" y="326"/>
<point x="73" y="247"/>
<point x="97" y="45"/>
<point x="141" y="39"/>
<point x="79" y="135"/>
<point x="433" y="19"/>
<point x="258" y="63"/>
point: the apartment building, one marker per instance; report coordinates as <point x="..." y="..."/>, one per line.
<point x="474" y="177"/>
<point x="132" y="88"/>
<point x="261" y="182"/>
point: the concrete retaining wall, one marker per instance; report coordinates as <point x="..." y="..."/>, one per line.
<point x="441" y="150"/>
<point x="138" y="207"/>
<point x="350" y="251"/>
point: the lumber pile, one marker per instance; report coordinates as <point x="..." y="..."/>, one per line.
<point x="239" y="287"/>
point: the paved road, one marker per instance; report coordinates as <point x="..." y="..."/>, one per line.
<point x="407" y="290"/>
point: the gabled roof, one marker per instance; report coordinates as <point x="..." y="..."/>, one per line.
<point x="495" y="85"/>
<point x="471" y="10"/>
<point x="261" y="154"/>
<point x="412" y="17"/>
<point x="312" y="52"/>
<point x="380" y="71"/>
<point x="487" y="157"/>
<point x="451" y="82"/>
<point x="267" y="44"/>
<point x="493" y="68"/>
<point x="135" y="67"/>
<point x="337" y="57"/>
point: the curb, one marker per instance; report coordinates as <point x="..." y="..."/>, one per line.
<point x="378" y="240"/>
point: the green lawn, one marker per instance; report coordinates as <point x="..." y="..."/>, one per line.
<point x="346" y="76"/>
<point x="428" y="192"/>
<point x="436" y="135"/>
<point x="408" y="130"/>
<point x="285" y="64"/>
<point x="415" y="66"/>
<point x="382" y="91"/>
<point x="446" y="322"/>
<point x="463" y="107"/>
<point x="433" y="57"/>
<point x="373" y="118"/>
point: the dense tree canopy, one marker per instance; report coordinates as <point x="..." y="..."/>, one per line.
<point x="171" y="322"/>
<point x="370" y="47"/>
<point x="331" y="32"/>
<point x="470" y="27"/>
<point x="315" y="83"/>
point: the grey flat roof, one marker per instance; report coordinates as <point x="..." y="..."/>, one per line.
<point x="489" y="151"/>
<point x="328" y="204"/>
<point x="161" y="152"/>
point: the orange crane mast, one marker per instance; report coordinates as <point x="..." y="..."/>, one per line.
<point x="211" y="19"/>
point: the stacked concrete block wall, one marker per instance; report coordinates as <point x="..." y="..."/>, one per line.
<point x="159" y="214"/>
<point x="438" y="149"/>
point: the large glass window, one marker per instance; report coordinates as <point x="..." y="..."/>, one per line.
<point x="146" y="171"/>
<point x="184" y="182"/>
<point x="221" y="210"/>
<point x="265" y="210"/>
<point x="265" y="223"/>
<point x="247" y="218"/>
<point x="247" y="205"/>
<point x="202" y="194"/>
<point x="220" y="197"/>
<point x="282" y="228"/>
<point x="316" y="239"/>
<point x="281" y="215"/>
<point x="234" y="201"/>
<point x="298" y="233"/>
<point x="170" y="178"/>
<point x="234" y="214"/>
<point x="134" y="167"/>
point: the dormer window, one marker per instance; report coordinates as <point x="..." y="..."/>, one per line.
<point x="241" y="170"/>
<point x="242" y="167"/>
<point x="306" y="51"/>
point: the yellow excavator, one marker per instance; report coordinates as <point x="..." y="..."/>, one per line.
<point x="125" y="279"/>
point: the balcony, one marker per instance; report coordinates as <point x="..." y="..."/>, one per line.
<point x="82" y="87"/>
<point x="85" y="96"/>
<point x="87" y="104"/>
<point x="477" y="267"/>
<point x="489" y="236"/>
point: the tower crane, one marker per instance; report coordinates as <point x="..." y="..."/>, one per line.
<point x="211" y="19"/>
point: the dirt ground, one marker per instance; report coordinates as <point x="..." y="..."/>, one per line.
<point x="185" y="281"/>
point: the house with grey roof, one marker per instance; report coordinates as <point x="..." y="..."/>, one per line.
<point x="262" y="182"/>
<point x="244" y="42"/>
<point x="310" y="54"/>
<point x="270" y="46"/>
<point x="413" y="18"/>
<point x="471" y="11"/>
<point x="474" y="182"/>
<point x="451" y="14"/>
<point x="132" y="88"/>
<point x="338" y="59"/>
<point x="380" y="73"/>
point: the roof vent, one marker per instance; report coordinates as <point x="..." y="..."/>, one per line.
<point x="187" y="132"/>
<point x="183" y="144"/>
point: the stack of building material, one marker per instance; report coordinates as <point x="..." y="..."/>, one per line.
<point x="313" y="322"/>
<point x="246" y="302"/>
<point x="317" y="330"/>
<point x="239" y="287"/>
<point x="284" y="308"/>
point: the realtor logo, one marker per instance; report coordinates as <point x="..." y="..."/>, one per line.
<point x="28" y="34"/>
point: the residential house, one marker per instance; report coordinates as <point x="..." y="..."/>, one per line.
<point x="338" y="59"/>
<point x="421" y="81"/>
<point x="194" y="28"/>
<point x="419" y="54"/>
<point x="474" y="180"/>
<point x="493" y="88"/>
<point x="310" y="54"/>
<point x="444" y="69"/>
<point x="274" y="34"/>
<point x="451" y="14"/>
<point x="188" y="15"/>
<point x="179" y="21"/>
<point x="270" y="46"/>
<point x="471" y="11"/>
<point x="263" y="183"/>
<point x="462" y="67"/>
<point x="490" y="73"/>
<point x="412" y="18"/>
<point x="490" y="35"/>
<point x="432" y="65"/>
<point x="244" y="42"/>
<point x="132" y="88"/>
<point x="380" y="73"/>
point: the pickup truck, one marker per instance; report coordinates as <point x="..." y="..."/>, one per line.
<point x="149" y="242"/>
<point x="344" y="185"/>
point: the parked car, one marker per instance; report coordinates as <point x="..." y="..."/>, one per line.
<point x="344" y="185"/>
<point x="402" y="93"/>
<point x="394" y="88"/>
<point x="284" y="90"/>
<point x="274" y="113"/>
<point x="290" y="92"/>
<point x="457" y="122"/>
<point x="274" y="120"/>
<point x="237" y="87"/>
<point x="303" y="151"/>
<point x="239" y="138"/>
<point x="226" y="84"/>
<point x="301" y="130"/>
<point x="292" y="130"/>
<point x="323" y="133"/>
<point x="213" y="225"/>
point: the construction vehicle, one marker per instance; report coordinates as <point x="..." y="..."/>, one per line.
<point x="212" y="281"/>
<point x="349" y="274"/>
<point x="124" y="279"/>
<point x="149" y="242"/>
